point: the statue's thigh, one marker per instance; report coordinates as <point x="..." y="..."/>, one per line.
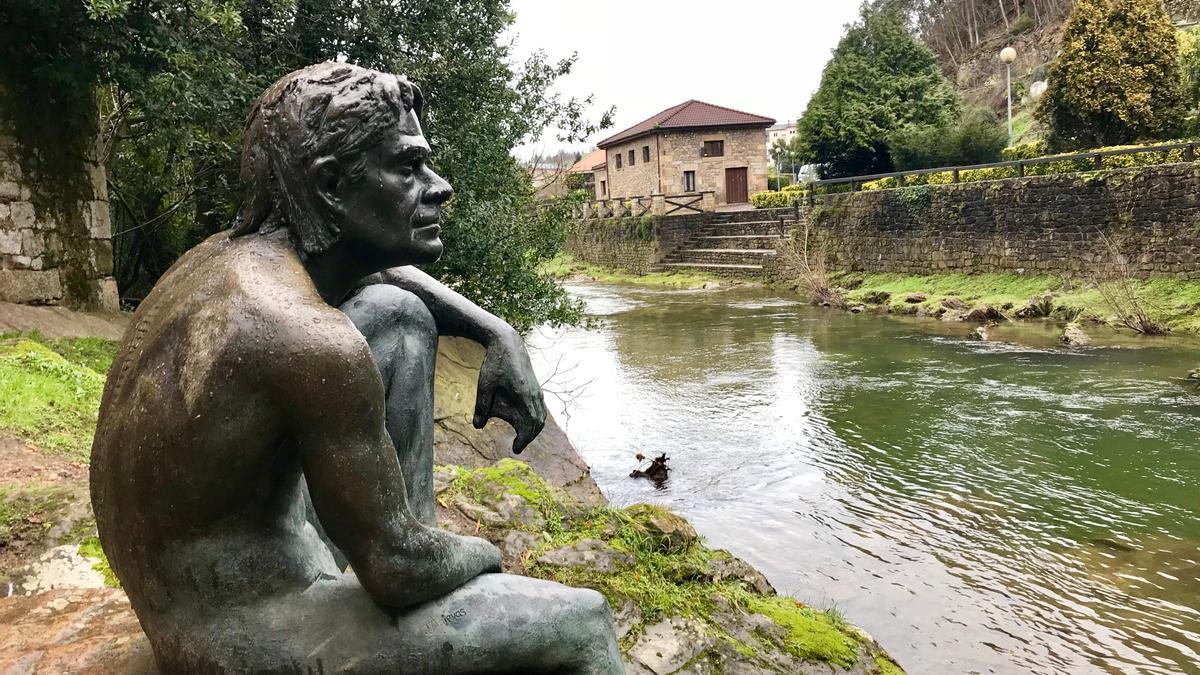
<point x="526" y="625"/>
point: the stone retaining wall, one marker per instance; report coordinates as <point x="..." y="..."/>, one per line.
<point x="54" y="253"/>
<point x="638" y="245"/>
<point x="1064" y="225"/>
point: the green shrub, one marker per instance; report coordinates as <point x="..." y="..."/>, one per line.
<point x="1028" y="150"/>
<point x="1022" y="24"/>
<point x="773" y="200"/>
<point x="976" y="138"/>
<point x="1117" y="78"/>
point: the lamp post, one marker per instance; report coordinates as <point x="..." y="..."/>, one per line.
<point x="1007" y="56"/>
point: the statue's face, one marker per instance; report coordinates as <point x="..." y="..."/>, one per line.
<point x="391" y="213"/>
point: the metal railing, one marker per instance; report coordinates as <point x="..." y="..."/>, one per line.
<point x="1096" y="157"/>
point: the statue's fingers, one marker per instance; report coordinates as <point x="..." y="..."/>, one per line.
<point x="483" y="407"/>
<point x="527" y="430"/>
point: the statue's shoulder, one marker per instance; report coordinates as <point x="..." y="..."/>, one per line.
<point x="280" y="314"/>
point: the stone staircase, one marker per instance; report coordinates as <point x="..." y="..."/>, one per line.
<point x="727" y="245"/>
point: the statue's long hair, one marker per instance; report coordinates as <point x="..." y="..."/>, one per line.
<point x="328" y="109"/>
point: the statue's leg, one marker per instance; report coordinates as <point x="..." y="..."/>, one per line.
<point x="496" y="623"/>
<point x="403" y="339"/>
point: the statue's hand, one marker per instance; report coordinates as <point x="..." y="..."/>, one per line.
<point x="508" y="389"/>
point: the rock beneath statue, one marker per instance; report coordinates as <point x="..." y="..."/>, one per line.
<point x="590" y="553"/>
<point x="509" y="511"/>
<point x="667" y="646"/>
<point x="60" y="567"/>
<point x="73" y="631"/>
<point x="669" y="532"/>
<point x="514" y="546"/>
<point x="626" y="615"/>
<point x="443" y="476"/>
<point x="732" y="567"/>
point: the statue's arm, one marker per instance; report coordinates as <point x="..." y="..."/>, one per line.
<point x="508" y="388"/>
<point x="354" y="476"/>
<point x="455" y="315"/>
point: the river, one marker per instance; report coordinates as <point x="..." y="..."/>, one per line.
<point x="977" y="507"/>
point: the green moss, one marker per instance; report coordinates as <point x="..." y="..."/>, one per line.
<point x="566" y="265"/>
<point x="509" y="476"/>
<point x="886" y="666"/>
<point x="811" y="634"/>
<point x="90" y="548"/>
<point x="47" y="400"/>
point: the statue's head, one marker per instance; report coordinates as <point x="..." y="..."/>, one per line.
<point x="335" y="152"/>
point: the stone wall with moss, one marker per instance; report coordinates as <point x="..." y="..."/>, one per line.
<point x="621" y="243"/>
<point x="638" y="245"/>
<point x="1141" y="222"/>
<point x="55" y="245"/>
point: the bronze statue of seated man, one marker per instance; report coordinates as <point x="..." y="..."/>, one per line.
<point x="294" y="355"/>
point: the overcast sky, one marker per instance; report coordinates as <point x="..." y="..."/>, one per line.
<point x="643" y="56"/>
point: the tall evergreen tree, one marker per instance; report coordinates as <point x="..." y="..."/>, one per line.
<point x="1117" y="79"/>
<point x="880" y="78"/>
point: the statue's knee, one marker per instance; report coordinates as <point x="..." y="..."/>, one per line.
<point x="384" y="307"/>
<point x="593" y="606"/>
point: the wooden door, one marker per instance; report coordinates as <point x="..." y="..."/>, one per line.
<point x="736" y="186"/>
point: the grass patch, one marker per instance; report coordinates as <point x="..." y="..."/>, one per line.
<point x="565" y="265"/>
<point x="48" y="400"/>
<point x="1172" y="302"/>
<point x="811" y="634"/>
<point x="90" y="548"/>
<point x="95" y="353"/>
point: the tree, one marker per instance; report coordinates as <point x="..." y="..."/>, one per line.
<point x="976" y="138"/>
<point x="787" y="154"/>
<point x="175" y="81"/>
<point x="879" y="79"/>
<point x="1117" y="79"/>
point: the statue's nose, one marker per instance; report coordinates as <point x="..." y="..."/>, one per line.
<point x="439" y="190"/>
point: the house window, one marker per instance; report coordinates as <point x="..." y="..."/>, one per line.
<point x="630" y="158"/>
<point x="645" y="153"/>
<point x="603" y="188"/>
<point x="689" y="181"/>
<point x="618" y="160"/>
<point x="713" y="149"/>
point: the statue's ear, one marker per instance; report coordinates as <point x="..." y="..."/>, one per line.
<point x="325" y="177"/>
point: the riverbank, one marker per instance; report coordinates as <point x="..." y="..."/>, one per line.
<point x="1171" y="303"/>
<point x="679" y="604"/>
<point x="567" y="267"/>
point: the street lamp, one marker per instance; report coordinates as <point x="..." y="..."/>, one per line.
<point x="1007" y="56"/>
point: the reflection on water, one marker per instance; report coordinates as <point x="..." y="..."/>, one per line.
<point x="978" y="507"/>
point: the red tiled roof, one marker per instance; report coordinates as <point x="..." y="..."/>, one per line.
<point x="689" y="115"/>
<point x="589" y="162"/>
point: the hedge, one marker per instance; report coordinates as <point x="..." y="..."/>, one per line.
<point x="781" y="199"/>
<point x="1035" y="150"/>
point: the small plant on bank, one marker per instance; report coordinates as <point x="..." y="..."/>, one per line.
<point x="1120" y="293"/>
<point x="811" y="273"/>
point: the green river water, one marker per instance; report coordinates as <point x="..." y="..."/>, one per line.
<point x="977" y="507"/>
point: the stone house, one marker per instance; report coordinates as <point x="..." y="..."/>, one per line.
<point x="688" y="148"/>
<point x="592" y="167"/>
